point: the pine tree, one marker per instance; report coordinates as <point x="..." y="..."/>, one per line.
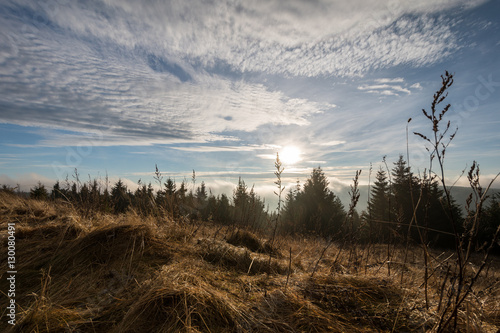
<point x="256" y="212"/>
<point x="170" y="186"/>
<point x="201" y="202"/>
<point x="405" y="190"/>
<point x="222" y="212"/>
<point x="57" y="192"/>
<point x="39" y="192"/>
<point x="241" y="203"/>
<point x="181" y="198"/>
<point x="379" y="206"/>
<point x="171" y="198"/>
<point x="201" y="193"/>
<point x="489" y="224"/>
<point x="120" y="197"/>
<point x="434" y="215"/>
<point x="291" y="210"/>
<point x="319" y="210"/>
<point x="431" y="211"/>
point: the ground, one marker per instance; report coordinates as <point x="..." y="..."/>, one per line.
<point x="129" y="273"/>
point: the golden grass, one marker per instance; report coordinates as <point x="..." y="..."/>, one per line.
<point x="132" y="274"/>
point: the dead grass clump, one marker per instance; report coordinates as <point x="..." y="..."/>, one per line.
<point x="363" y="302"/>
<point x="247" y="239"/>
<point x="49" y="231"/>
<point x="42" y="315"/>
<point x="279" y="312"/>
<point x="115" y="246"/>
<point x="239" y="259"/>
<point x="28" y="211"/>
<point x="49" y="318"/>
<point x="177" y="309"/>
<point x="96" y="267"/>
<point x="252" y="242"/>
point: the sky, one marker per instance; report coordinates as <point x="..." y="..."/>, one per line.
<point x="116" y="87"/>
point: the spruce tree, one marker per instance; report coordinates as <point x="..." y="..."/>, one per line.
<point x="241" y="203"/>
<point x="222" y="211"/>
<point x="434" y="215"/>
<point x="379" y="206"/>
<point x="170" y="186"/>
<point x="405" y="192"/>
<point x="490" y="222"/>
<point x="39" y="192"/>
<point x="120" y="197"/>
<point x="57" y="192"/>
<point x="319" y="209"/>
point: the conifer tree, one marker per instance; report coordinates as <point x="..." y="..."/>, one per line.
<point x="170" y="186"/>
<point x="489" y="224"/>
<point x="57" y="192"/>
<point x="379" y="206"/>
<point x="405" y="192"/>
<point x="201" y="193"/>
<point x="320" y="209"/>
<point x="434" y="215"/>
<point x="240" y="202"/>
<point x="256" y="210"/>
<point x="39" y="192"/>
<point x="120" y="197"/>
<point x="181" y="198"/>
<point x="222" y="212"/>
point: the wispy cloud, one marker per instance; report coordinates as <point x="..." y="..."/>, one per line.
<point x="236" y="148"/>
<point x="389" y="87"/>
<point x="299" y="38"/>
<point x="224" y="76"/>
<point x="332" y="143"/>
<point x="389" y="80"/>
<point x="153" y="73"/>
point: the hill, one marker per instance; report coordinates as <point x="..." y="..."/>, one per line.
<point x="127" y="273"/>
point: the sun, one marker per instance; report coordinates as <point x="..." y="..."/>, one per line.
<point x="290" y="155"/>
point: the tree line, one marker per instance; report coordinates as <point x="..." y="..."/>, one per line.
<point x="401" y="206"/>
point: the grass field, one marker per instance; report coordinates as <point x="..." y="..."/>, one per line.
<point x="126" y="273"/>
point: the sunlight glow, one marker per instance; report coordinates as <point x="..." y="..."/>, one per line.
<point x="290" y="155"/>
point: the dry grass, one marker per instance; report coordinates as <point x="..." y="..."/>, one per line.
<point x="133" y="274"/>
<point x="252" y="242"/>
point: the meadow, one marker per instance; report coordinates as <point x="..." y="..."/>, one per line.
<point x="130" y="273"/>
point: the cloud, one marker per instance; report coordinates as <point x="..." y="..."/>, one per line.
<point x="128" y="103"/>
<point x="292" y="37"/>
<point x="332" y="143"/>
<point x="384" y="87"/>
<point x="285" y="37"/>
<point x="26" y="181"/>
<point x="267" y="156"/>
<point x="389" y="80"/>
<point x="123" y="73"/>
<point x="210" y="149"/>
<point x="389" y="87"/>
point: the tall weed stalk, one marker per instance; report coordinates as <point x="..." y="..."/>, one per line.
<point x="461" y="283"/>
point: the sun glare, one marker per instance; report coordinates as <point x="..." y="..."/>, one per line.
<point x="290" y="155"/>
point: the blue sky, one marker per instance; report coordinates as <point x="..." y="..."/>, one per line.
<point x="219" y="87"/>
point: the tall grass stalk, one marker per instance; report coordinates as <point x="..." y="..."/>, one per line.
<point x="279" y="170"/>
<point x="461" y="285"/>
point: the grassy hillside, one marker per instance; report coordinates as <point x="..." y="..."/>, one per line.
<point x="125" y="273"/>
